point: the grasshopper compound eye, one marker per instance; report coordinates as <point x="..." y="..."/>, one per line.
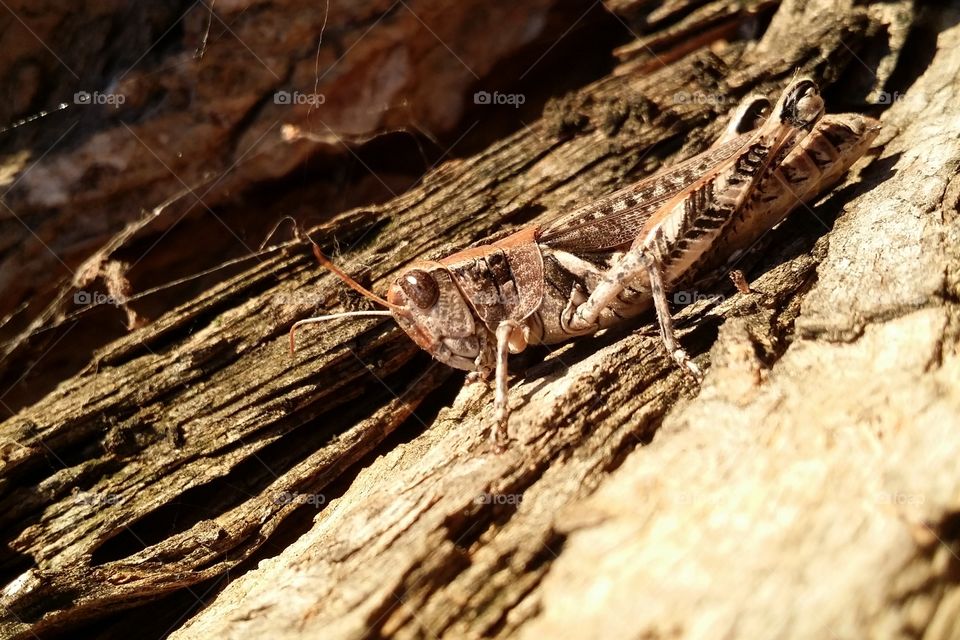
<point x="421" y="288"/>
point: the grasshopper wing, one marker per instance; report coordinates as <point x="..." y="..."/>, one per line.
<point x="615" y="221"/>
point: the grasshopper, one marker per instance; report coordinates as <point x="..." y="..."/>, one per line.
<point x="614" y="258"/>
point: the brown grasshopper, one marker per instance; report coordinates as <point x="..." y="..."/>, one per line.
<point x="617" y="256"/>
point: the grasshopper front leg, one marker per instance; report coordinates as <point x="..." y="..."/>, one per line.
<point x="508" y="331"/>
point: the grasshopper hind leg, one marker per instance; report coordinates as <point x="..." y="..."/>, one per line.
<point x="636" y="264"/>
<point x="665" y="320"/>
<point x="749" y="114"/>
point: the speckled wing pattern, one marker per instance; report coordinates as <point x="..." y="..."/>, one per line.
<point x="615" y="221"/>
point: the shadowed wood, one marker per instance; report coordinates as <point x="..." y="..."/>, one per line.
<point x="808" y="489"/>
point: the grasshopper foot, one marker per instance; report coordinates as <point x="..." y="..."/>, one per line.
<point x="689" y="366"/>
<point x="499" y="439"/>
<point x="479" y="377"/>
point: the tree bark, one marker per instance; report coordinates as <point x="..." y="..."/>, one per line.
<point x="807" y="489"/>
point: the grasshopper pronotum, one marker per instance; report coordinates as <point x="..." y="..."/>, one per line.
<point x="617" y="256"/>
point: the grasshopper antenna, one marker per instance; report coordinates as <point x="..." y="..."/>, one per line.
<point x="347" y="280"/>
<point x="276" y="227"/>
<point x="332" y="316"/>
<point x="350" y="282"/>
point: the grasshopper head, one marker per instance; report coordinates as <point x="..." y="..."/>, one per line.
<point x="426" y="303"/>
<point x="429" y="306"/>
<point x="800" y="105"/>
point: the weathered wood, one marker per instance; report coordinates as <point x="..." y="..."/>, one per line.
<point x="218" y="104"/>
<point x="808" y="489"/>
